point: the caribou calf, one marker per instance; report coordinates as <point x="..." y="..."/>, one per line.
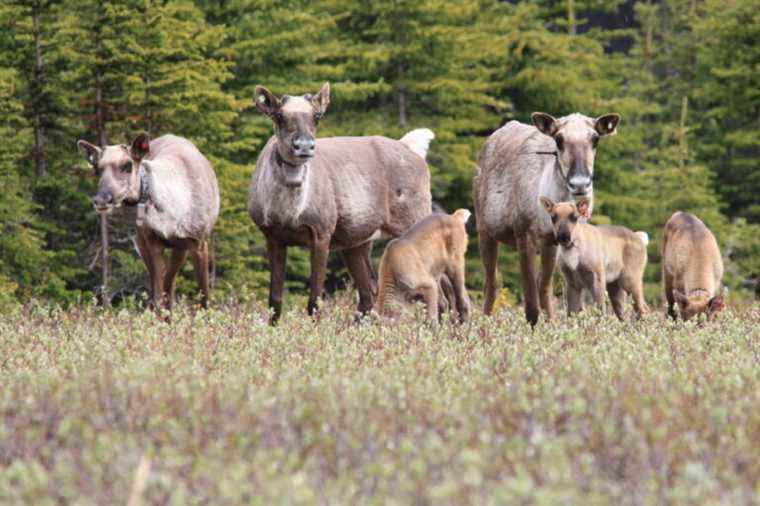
<point x="336" y="193"/>
<point x="598" y="257"/>
<point x="431" y="252"/>
<point x="177" y="198"/>
<point x="692" y="267"/>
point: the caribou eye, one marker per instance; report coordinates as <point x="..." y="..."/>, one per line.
<point x="574" y="218"/>
<point x="127" y="167"/>
<point x="560" y="142"/>
<point x="317" y="117"/>
<point x="595" y="140"/>
<point x="554" y="218"/>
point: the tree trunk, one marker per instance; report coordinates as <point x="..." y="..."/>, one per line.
<point x="682" y="131"/>
<point x="105" y="296"/>
<point x="402" y="106"/>
<point x="571" y="22"/>
<point x="40" y="164"/>
<point x="100" y="119"/>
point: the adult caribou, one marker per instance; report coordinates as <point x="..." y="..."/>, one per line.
<point x="335" y="193"/>
<point x="175" y="190"/>
<point x="518" y="164"/>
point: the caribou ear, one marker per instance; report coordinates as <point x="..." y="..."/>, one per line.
<point x="607" y="124"/>
<point x="583" y="206"/>
<point x="321" y="100"/>
<point x="717" y="303"/>
<point x="545" y="123"/>
<point x="90" y="152"/>
<point x="140" y="147"/>
<point x="266" y="101"/>
<point x="547" y="203"/>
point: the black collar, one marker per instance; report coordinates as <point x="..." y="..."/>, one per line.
<point x="281" y="161"/>
<point x="144" y="192"/>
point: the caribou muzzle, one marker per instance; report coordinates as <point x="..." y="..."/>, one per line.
<point x="102" y="201"/>
<point x="304" y="146"/>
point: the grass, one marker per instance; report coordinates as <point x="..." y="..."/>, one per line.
<point x="119" y="406"/>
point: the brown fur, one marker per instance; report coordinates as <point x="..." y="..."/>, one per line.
<point x="692" y="267"/>
<point x="413" y="264"/>
<point x="518" y="164"/>
<point x="338" y="194"/>
<point x="597" y="257"/>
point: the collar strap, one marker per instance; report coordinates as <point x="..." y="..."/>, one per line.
<point x="144" y="188"/>
<point x="144" y="191"/>
<point x="556" y="165"/>
<point x="281" y="161"/>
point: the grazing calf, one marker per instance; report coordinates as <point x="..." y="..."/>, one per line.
<point x="177" y="198"/>
<point x="692" y="267"/>
<point x="336" y="193"/>
<point x="414" y="264"/>
<point x="517" y="165"/>
<point x="594" y="257"/>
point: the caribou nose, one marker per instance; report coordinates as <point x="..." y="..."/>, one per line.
<point x="304" y="146"/>
<point x="102" y="200"/>
<point x="563" y="238"/>
<point x="579" y="185"/>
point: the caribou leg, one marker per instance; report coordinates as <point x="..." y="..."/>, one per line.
<point x="178" y="257"/>
<point x="277" y="254"/>
<point x="489" y="252"/>
<point x="528" y="272"/>
<point x="358" y="264"/>
<point x="200" y="264"/>
<point x="152" y="251"/>
<point x="460" y="294"/>
<point x="320" y="249"/>
<point x="548" y="261"/>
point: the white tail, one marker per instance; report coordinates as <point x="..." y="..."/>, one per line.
<point x="419" y="140"/>
<point x="462" y="214"/>
<point x="644" y="237"/>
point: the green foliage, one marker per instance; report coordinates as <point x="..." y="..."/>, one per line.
<point x="218" y="407"/>
<point x="681" y="73"/>
<point x="24" y="264"/>
<point x="728" y="94"/>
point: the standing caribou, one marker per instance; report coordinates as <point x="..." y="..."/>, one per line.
<point x="518" y="164"/>
<point x="177" y="198"/>
<point x="336" y="193"/>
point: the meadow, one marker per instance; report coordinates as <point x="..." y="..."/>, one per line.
<point x="122" y="407"/>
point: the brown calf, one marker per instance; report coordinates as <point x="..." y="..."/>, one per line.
<point x="415" y="263"/>
<point x="598" y="257"/>
<point x="692" y="267"/>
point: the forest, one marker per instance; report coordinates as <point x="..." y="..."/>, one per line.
<point x="683" y="74"/>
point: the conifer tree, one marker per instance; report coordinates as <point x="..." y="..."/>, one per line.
<point x="24" y="269"/>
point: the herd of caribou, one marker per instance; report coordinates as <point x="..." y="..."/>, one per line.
<point x="533" y="191"/>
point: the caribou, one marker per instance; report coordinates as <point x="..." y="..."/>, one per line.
<point x="177" y="197"/>
<point x="332" y="194"/>
<point x="692" y="268"/>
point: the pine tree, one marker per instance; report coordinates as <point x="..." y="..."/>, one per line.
<point x="24" y="265"/>
<point x="31" y="26"/>
<point x="727" y="93"/>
